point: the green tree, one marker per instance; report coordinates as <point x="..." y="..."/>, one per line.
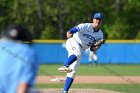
<point x="50" y="19"/>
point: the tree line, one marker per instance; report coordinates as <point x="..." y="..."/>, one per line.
<point x="50" y="19"/>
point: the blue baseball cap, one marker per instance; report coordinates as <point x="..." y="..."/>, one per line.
<point x="98" y="16"/>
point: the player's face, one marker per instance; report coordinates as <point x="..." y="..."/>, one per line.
<point x="97" y="22"/>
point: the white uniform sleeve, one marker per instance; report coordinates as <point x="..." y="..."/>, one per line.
<point x="82" y="27"/>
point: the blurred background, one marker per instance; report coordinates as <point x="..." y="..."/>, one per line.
<point x="50" y="19"/>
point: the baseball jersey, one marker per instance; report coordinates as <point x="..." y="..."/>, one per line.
<point x="18" y="63"/>
<point x="86" y="35"/>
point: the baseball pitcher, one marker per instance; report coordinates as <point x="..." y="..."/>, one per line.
<point x="81" y="37"/>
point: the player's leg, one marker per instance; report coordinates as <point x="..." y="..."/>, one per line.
<point x="90" y="57"/>
<point x="70" y="76"/>
<point x="95" y="59"/>
<point x="74" y="51"/>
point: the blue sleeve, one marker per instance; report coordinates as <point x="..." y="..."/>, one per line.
<point x="74" y="30"/>
<point x="30" y="70"/>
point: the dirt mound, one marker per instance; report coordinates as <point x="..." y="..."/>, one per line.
<point x="73" y="91"/>
<point x="91" y="79"/>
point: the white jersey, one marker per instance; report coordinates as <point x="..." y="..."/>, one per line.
<point x="86" y="36"/>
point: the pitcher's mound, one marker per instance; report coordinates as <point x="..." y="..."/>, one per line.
<point x="74" y="91"/>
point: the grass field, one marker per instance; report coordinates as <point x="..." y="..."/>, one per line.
<point x="100" y="70"/>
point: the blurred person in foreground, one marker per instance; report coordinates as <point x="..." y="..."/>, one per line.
<point x="18" y="60"/>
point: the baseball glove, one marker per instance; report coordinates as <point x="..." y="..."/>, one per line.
<point x="97" y="44"/>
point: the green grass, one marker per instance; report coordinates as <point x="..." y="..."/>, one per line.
<point x="100" y="70"/>
<point x="125" y="88"/>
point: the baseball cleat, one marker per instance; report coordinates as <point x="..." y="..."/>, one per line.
<point x="64" y="69"/>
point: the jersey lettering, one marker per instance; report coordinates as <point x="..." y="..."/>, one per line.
<point x="89" y="36"/>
